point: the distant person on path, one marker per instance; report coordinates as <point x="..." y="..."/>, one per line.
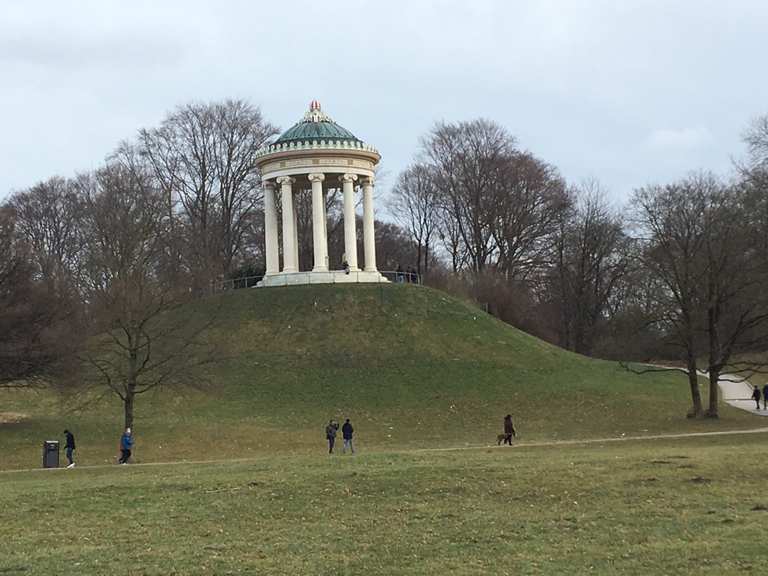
<point x="126" y="444"/>
<point x="70" y="447"/>
<point x="756" y="396"/>
<point x="346" y="433"/>
<point x="399" y="274"/>
<point x="330" y="434"/>
<point x="765" y="397"/>
<point x="509" y="429"/>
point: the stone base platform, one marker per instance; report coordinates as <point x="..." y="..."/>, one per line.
<point x="331" y="277"/>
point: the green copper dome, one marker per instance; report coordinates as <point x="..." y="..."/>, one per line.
<point x="316" y="126"/>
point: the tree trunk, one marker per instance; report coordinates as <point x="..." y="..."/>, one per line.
<point x="714" y="358"/>
<point x="714" y="393"/>
<point x="128" y="408"/>
<point x="130" y="387"/>
<point x="693" y="381"/>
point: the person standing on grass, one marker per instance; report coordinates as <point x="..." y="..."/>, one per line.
<point x="69" y="446"/>
<point x="126" y="444"/>
<point x="346" y="433"/>
<point x="330" y="434"/>
<point x="765" y="397"/>
<point x="756" y="396"/>
<point x="509" y="429"/>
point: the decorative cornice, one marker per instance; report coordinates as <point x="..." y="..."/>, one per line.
<point x="322" y="145"/>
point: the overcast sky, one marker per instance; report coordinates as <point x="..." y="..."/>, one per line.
<point x="627" y="91"/>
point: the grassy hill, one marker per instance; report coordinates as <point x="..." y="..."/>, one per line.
<point x="412" y="367"/>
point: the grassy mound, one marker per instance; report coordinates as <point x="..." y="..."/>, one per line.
<point x="410" y="366"/>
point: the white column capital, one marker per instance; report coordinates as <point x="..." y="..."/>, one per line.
<point x="316" y="177"/>
<point x="348" y="178"/>
<point x="282" y="180"/>
<point x="368" y="181"/>
<point x="268" y="184"/>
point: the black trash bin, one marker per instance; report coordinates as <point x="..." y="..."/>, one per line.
<point x="51" y="454"/>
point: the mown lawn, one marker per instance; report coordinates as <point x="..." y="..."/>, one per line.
<point x="653" y="507"/>
<point x="412" y="367"/>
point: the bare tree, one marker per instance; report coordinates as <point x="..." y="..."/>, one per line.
<point x="669" y="225"/>
<point x="592" y="256"/>
<point x="415" y="205"/>
<point x="48" y="217"/>
<point x="469" y="163"/>
<point x="137" y="342"/>
<point x="701" y="246"/>
<point x="532" y="197"/>
<point x="38" y="328"/>
<point x="736" y="276"/>
<point x="499" y="204"/>
<point x="203" y="156"/>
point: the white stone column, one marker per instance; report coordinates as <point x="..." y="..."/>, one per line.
<point x="296" y="235"/>
<point x="369" y="242"/>
<point x="319" y="241"/>
<point x="271" y="248"/>
<point x="350" y="235"/>
<point x="325" y="230"/>
<point x="289" y="224"/>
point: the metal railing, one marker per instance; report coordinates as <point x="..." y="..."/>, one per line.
<point x="331" y="277"/>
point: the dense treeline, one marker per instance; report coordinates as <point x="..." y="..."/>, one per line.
<point x="679" y="273"/>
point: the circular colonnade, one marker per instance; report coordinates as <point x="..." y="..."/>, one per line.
<point x="317" y="154"/>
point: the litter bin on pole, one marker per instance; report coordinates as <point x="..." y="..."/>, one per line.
<point x="51" y="454"/>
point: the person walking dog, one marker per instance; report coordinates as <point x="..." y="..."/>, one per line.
<point x="509" y="429"/>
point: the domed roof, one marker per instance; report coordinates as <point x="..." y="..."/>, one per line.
<point x="316" y="126"/>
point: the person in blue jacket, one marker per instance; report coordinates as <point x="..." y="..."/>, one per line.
<point x="126" y="444"/>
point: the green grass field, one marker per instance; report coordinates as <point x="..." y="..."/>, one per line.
<point x="417" y="372"/>
<point x="652" y="507"/>
<point x="412" y="367"/>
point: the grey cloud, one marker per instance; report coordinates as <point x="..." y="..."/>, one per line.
<point x="61" y="49"/>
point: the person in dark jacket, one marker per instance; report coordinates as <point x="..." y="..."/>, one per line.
<point x="330" y="434"/>
<point x="69" y="446"/>
<point x="126" y="445"/>
<point x="346" y="433"/>
<point x="756" y="396"/>
<point x="765" y="397"/>
<point x="509" y="429"/>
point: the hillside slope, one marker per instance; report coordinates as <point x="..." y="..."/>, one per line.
<point x="412" y="367"/>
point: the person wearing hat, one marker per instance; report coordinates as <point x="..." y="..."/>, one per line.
<point x="69" y="446"/>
